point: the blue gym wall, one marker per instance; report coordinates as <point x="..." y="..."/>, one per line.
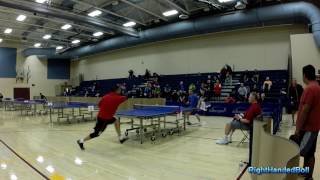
<point x="8" y="57"/>
<point x="58" y="69"/>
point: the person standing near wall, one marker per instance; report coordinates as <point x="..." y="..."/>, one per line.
<point x="308" y="124"/>
<point x="295" y="93"/>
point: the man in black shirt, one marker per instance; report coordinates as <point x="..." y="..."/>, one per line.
<point x="295" y="93"/>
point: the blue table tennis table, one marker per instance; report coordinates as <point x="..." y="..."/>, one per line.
<point x="23" y="105"/>
<point x="82" y="110"/>
<point x="153" y="116"/>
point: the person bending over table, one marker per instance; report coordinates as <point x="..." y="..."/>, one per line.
<point x="240" y="121"/>
<point x="192" y="103"/>
<point x="108" y="106"/>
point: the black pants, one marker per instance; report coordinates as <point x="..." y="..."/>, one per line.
<point x="100" y="126"/>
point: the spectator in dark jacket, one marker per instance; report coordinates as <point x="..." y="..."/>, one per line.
<point x="295" y="93"/>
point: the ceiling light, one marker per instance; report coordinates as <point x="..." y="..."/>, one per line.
<point x="47" y="36"/>
<point x="59" y="47"/>
<point x="41" y="1"/>
<point x="1" y="40"/>
<point x="13" y="177"/>
<point x="8" y="31"/>
<point x="37" y="44"/>
<point x="170" y="13"/>
<point x="240" y="5"/>
<point x="95" y="13"/>
<point x="76" y="41"/>
<point x="21" y="18"/>
<point x="50" y="169"/>
<point x="129" y="24"/>
<point x="224" y="1"/>
<point x="40" y="159"/>
<point x="3" y="166"/>
<point x="97" y="34"/>
<point x="66" y="26"/>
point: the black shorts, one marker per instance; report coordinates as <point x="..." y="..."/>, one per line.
<point x="101" y="125"/>
<point x="308" y="143"/>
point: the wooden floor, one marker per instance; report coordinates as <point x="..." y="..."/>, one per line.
<point x="192" y="155"/>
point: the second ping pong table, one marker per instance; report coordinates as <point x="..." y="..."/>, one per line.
<point x="154" y="116"/>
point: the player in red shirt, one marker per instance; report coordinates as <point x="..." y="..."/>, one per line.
<point x="240" y="121"/>
<point x="108" y="106"/>
<point x="308" y="122"/>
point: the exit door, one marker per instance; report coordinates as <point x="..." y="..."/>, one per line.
<point x="21" y="93"/>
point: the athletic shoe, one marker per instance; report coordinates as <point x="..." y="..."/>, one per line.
<point x="222" y="141"/>
<point x="80" y="145"/>
<point x="189" y="123"/>
<point x="123" y="140"/>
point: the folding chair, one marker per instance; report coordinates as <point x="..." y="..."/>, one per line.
<point x="245" y="136"/>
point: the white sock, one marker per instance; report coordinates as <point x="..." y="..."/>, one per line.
<point x="81" y="140"/>
<point x="120" y="137"/>
<point x="226" y="137"/>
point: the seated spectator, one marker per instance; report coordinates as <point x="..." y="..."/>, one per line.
<point x="175" y="96"/>
<point x="267" y="85"/>
<point x="192" y="103"/>
<point x="242" y="92"/>
<point x="217" y="90"/>
<point x="256" y="76"/>
<point x="167" y="91"/>
<point x="230" y="99"/>
<point x="157" y="91"/>
<point x="148" y="91"/>
<point x="123" y="88"/>
<point x="229" y="69"/>
<point x="147" y="74"/>
<point x="192" y="87"/>
<point x="228" y="79"/>
<point x="255" y="89"/>
<point x="181" y="87"/>
<point x="182" y="98"/>
<point x="86" y="93"/>
<point x="209" y="88"/>
<point x="240" y="121"/>
<point x="223" y="73"/>
<point x="42" y="97"/>
<point x="131" y="74"/>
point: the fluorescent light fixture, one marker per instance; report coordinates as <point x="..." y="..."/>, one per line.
<point x="1" y="40"/>
<point x="129" y="24"/>
<point x="40" y="159"/>
<point x="76" y="41"/>
<point x="37" y="44"/>
<point x="97" y="34"/>
<point x="170" y="13"/>
<point x="78" y="161"/>
<point x="3" y="166"/>
<point x="95" y="13"/>
<point x="8" y="31"/>
<point x="47" y="36"/>
<point x="41" y="1"/>
<point x="224" y="1"/>
<point x="66" y="26"/>
<point x="21" y="17"/>
<point x="13" y="177"/>
<point x="50" y="169"/>
<point x="59" y="47"/>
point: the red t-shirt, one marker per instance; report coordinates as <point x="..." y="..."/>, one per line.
<point x="310" y="96"/>
<point x="217" y="89"/>
<point x="252" y="112"/>
<point x="109" y="104"/>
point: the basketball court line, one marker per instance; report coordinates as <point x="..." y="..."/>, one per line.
<point x="25" y="161"/>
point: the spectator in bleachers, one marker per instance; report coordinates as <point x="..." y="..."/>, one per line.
<point x="217" y="90"/>
<point x="267" y="84"/>
<point x="228" y="78"/>
<point x="223" y="73"/>
<point x="230" y="99"/>
<point x="131" y="74"/>
<point x="42" y="97"/>
<point x="147" y="74"/>
<point x="295" y="93"/>
<point x="246" y="76"/>
<point x="148" y="91"/>
<point x="192" y="87"/>
<point x="183" y="98"/>
<point x="255" y="89"/>
<point x="175" y="96"/>
<point x="255" y="76"/>
<point x="209" y="88"/>
<point x="86" y="93"/>
<point x="123" y="88"/>
<point x="167" y="91"/>
<point x="242" y="92"/>
<point x="242" y="121"/>
<point x="157" y="90"/>
<point x="192" y="102"/>
<point x="1" y="97"/>
<point x="181" y="86"/>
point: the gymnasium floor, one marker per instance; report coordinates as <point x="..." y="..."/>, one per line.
<point x="194" y="155"/>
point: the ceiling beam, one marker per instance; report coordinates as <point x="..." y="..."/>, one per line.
<point x="65" y="15"/>
<point x="36" y="39"/>
<point x="144" y="10"/>
<point x="109" y="12"/>
<point x="179" y="8"/>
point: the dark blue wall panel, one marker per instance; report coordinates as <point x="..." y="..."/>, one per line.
<point x="58" y="69"/>
<point x="8" y="59"/>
